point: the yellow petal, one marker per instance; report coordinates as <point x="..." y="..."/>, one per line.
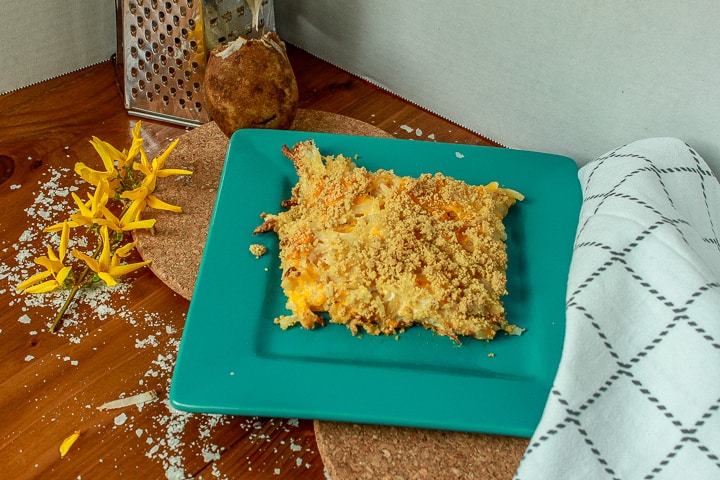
<point x="68" y="442"/>
<point x="91" y="262"/>
<point x="32" y="280"/>
<point x="44" y="287"/>
<point x="107" y="278"/>
<point x="124" y="251"/>
<point x="120" y="270"/>
<point x="139" y="225"/>
<point x="154" y="202"/>
<point x="166" y="172"/>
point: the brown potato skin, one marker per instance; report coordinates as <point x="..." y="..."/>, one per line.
<point x="254" y="87"/>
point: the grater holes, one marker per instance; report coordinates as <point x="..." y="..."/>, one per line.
<point x="165" y="71"/>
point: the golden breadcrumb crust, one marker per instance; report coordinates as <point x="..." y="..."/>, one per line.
<point x="379" y="252"/>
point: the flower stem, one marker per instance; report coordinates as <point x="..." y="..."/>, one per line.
<point x="77" y="285"/>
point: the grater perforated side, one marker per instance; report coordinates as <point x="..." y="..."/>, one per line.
<point x="163" y="46"/>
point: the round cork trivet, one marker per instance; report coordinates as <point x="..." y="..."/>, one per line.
<point x="359" y="452"/>
<point x="349" y="451"/>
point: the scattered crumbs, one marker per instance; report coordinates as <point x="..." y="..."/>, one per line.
<point x="459" y="155"/>
<point x="491" y="355"/>
<point x="149" y="341"/>
<point x="406" y="128"/>
<point x="258" y="250"/>
<point x="171" y="438"/>
<point x="120" y="419"/>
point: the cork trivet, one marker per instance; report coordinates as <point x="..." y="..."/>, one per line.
<point x="349" y="451"/>
<point x="359" y="452"/>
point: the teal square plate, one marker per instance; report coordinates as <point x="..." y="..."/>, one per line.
<point x="234" y="360"/>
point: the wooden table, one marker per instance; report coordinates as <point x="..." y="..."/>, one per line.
<point x="121" y="342"/>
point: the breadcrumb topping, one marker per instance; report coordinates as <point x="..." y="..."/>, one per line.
<point x="379" y="252"/>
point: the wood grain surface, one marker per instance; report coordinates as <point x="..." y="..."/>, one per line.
<point x="121" y="341"/>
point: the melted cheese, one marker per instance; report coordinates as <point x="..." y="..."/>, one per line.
<point x="379" y="252"/>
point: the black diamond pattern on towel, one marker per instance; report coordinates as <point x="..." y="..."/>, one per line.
<point x="637" y="393"/>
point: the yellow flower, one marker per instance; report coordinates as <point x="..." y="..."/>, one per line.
<point x="152" y="170"/>
<point x="144" y="192"/>
<point x="107" y="268"/>
<point x="114" y="160"/>
<point x="130" y="220"/>
<point x="54" y="267"/>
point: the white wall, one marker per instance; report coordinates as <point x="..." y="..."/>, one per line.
<point x="41" y="39"/>
<point x="573" y="77"/>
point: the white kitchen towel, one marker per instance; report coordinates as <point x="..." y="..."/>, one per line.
<point x="637" y="393"/>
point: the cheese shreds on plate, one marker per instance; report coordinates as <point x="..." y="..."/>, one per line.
<point x="380" y="252"/>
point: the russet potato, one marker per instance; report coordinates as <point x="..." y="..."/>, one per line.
<point x="249" y="83"/>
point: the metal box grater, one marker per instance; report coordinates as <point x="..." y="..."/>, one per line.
<point x="162" y="50"/>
